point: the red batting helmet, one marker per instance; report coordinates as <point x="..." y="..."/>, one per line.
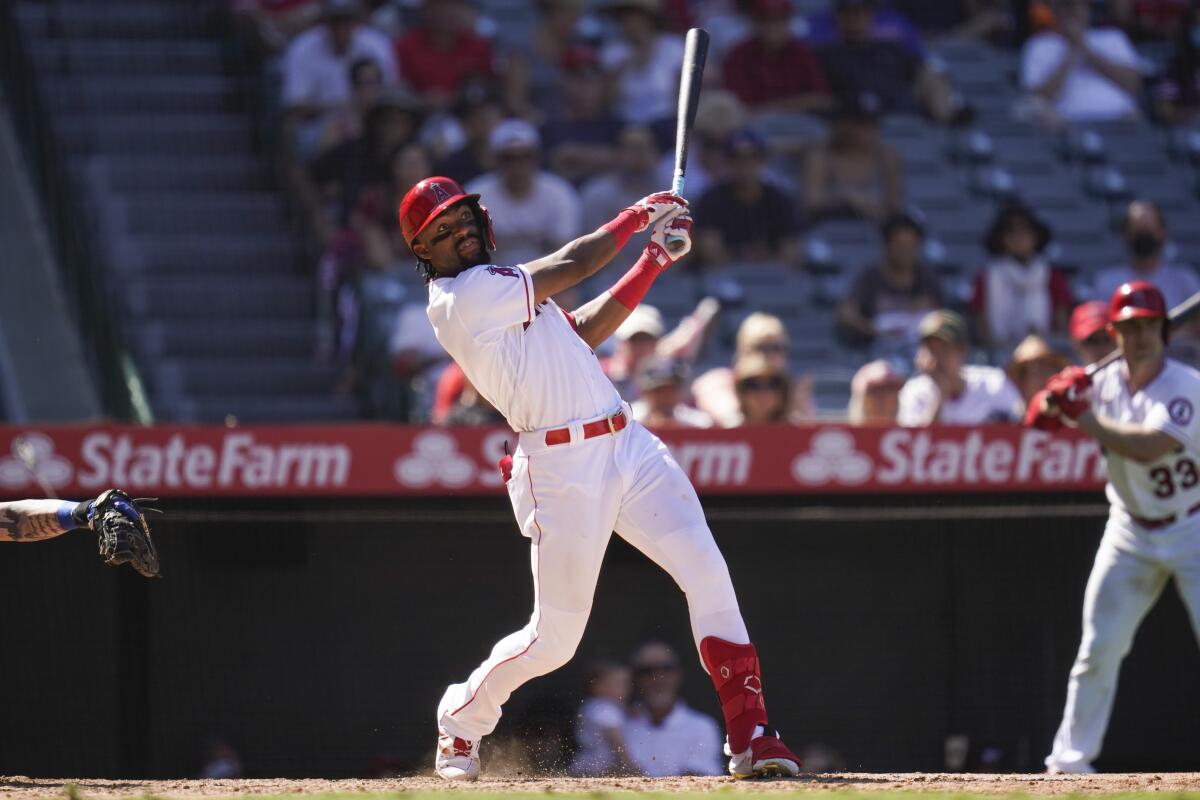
<point x="1138" y="299"/>
<point x="430" y="197"/>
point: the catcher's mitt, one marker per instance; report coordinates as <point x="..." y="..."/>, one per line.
<point x="123" y="532"/>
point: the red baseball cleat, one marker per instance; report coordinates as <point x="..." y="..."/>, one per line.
<point x="767" y="757"/>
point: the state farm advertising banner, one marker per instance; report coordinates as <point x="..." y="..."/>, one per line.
<point x="382" y="460"/>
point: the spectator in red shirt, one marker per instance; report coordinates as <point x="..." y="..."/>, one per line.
<point x="438" y="56"/>
<point x="773" y="70"/>
<point x="1018" y="292"/>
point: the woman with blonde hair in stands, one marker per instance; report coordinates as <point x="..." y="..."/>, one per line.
<point x="714" y="391"/>
<point x="763" y="390"/>
<point x="875" y="394"/>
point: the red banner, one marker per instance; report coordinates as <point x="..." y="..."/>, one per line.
<point x="381" y="460"/>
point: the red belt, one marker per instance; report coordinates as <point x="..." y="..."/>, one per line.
<point x="592" y="429"/>
<point x="1155" y="524"/>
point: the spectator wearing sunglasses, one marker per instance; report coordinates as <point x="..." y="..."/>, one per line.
<point x="763" y="390"/>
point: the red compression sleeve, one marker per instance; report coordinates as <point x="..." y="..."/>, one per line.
<point x="623" y="226"/>
<point x="633" y="285"/>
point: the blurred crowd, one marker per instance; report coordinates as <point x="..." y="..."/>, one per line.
<point x="564" y="123"/>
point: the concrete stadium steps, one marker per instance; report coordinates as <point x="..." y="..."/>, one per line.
<point x="215" y="213"/>
<point x="182" y="134"/>
<point x="286" y="338"/>
<point x="197" y="254"/>
<point x="160" y="94"/>
<point x="291" y="408"/>
<point x="119" y="58"/>
<point x="229" y="172"/>
<point x="171" y="300"/>
<point x="112" y="19"/>
<point x="214" y="378"/>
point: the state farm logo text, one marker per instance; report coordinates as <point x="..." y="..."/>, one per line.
<point x="239" y="460"/>
<point x="934" y="457"/>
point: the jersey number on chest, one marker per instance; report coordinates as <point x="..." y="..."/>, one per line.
<point x="1168" y="481"/>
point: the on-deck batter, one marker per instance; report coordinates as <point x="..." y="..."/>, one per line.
<point x="1142" y="410"/>
<point x="582" y="466"/>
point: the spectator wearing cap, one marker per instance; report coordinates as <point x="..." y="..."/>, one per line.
<point x="1144" y="228"/>
<point x="316" y="70"/>
<point x="772" y="69"/>
<point x="660" y="384"/>
<point x="632" y="175"/>
<point x="1018" y="292"/>
<point x="476" y="113"/>
<point x="533" y="211"/>
<point x="1033" y="363"/>
<point x="441" y="53"/>
<point x="663" y="734"/>
<point x="579" y="141"/>
<point x="854" y="173"/>
<point x="1089" y="332"/>
<point x="643" y="63"/>
<point x="948" y="391"/>
<point x="763" y="334"/>
<point x="875" y="394"/>
<point x="637" y="340"/>
<point x="1081" y="73"/>
<point x="763" y="390"/>
<point x="860" y="58"/>
<point x="745" y="218"/>
<point x="888" y="300"/>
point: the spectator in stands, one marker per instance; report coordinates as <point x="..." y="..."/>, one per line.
<point x="316" y="70"/>
<point x="1151" y="20"/>
<point x="665" y="736"/>
<point x="719" y="115"/>
<point x="1017" y="292"/>
<point x="346" y="123"/>
<point x="600" y="726"/>
<point x="886" y="23"/>
<point x="887" y="301"/>
<point x="948" y="391"/>
<point x="1033" y="363"/>
<point x="533" y="72"/>
<point x="772" y="69"/>
<point x="1177" y="94"/>
<point x="269" y="25"/>
<point x="631" y="176"/>
<point x="764" y="334"/>
<point x="343" y="172"/>
<point x="637" y="340"/>
<point x="1089" y="331"/>
<point x="374" y="217"/>
<point x="534" y="211"/>
<point x="471" y="408"/>
<point x="660" y="383"/>
<point x="955" y="19"/>
<point x="1079" y="73"/>
<point x="744" y="218"/>
<point x="1145" y="230"/>
<point x="644" y="63"/>
<point x="875" y="394"/>
<point x="763" y="391"/>
<point x="854" y="173"/>
<point x="579" y="142"/>
<point x="439" y="55"/>
<point x="860" y="59"/>
<point x="478" y="111"/>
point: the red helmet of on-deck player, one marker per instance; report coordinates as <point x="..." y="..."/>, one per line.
<point x="1135" y="299"/>
<point x="430" y="197"/>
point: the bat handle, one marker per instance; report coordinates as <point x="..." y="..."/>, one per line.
<point x="675" y="243"/>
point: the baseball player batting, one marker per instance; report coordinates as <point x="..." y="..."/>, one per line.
<point x="118" y="521"/>
<point x="1141" y="409"/>
<point x="582" y="467"/>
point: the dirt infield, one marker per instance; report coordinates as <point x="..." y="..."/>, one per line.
<point x="29" y="788"/>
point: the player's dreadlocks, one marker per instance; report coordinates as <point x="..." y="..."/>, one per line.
<point x="425" y="269"/>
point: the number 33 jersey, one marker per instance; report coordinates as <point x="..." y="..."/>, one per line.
<point x="1170" y="485"/>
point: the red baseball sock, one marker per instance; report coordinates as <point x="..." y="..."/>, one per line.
<point x="735" y="674"/>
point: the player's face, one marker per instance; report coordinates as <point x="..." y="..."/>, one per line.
<point x="453" y="241"/>
<point x="1140" y="339"/>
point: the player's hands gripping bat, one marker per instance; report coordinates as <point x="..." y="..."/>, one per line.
<point x="695" y="51"/>
<point x="123" y="533"/>
<point x="676" y="227"/>
<point x="653" y="207"/>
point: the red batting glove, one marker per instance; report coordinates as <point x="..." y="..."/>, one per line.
<point x="1041" y="414"/>
<point x="1068" y="391"/>
<point x="653" y="207"/>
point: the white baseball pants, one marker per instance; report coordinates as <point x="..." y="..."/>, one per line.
<point x="1132" y="567"/>
<point x="568" y="499"/>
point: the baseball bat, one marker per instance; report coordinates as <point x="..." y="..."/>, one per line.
<point x="695" y="51"/>
<point x="1175" y="315"/>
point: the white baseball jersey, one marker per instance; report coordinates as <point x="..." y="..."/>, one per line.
<point x="526" y="359"/>
<point x="989" y="396"/>
<point x="1170" y="485"/>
